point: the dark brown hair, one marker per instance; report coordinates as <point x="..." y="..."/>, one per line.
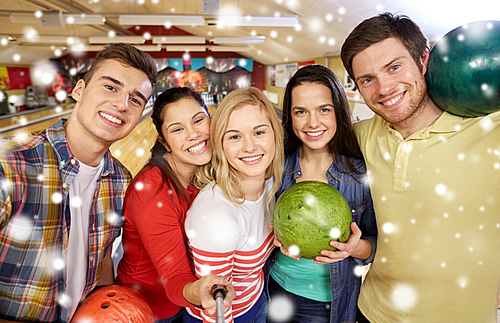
<point x="379" y="28"/>
<point x="128" y="55"/>
<point x="344" y="143"/>
<point x="158" y="151"/>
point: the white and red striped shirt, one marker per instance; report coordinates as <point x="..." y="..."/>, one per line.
<point x="230" y="240"/>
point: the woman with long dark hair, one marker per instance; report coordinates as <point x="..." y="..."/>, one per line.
<point x="154" y="242"/>
<point x="320" y="145"/>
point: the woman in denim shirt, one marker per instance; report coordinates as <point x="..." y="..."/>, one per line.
<point x="320" y="145"/>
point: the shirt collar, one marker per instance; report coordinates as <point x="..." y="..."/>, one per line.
<point x="446" y="123"/>
<point x="293" y="166"/>
<point x="57" y="138"/>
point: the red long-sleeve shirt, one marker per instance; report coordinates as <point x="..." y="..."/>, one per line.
<point x="154" y="243"/>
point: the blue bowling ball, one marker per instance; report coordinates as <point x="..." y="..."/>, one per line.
<point x="463" y="75"/>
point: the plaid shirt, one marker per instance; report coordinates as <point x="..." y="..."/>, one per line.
<point x="35" y="176"/>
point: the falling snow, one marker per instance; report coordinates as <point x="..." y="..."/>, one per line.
<point x="388" y="228"/>
<point x="139" y="152"/>
<point x="112" y="217"/>
<point x="139" y="186"/>
<point x="280" y="308"/>
<point x="57" y="198"/>
<point x="205" y="270"/>
<point x="76" y="202"/>
<point x="463" y="281"/>
<point x="440" y="189"/>
<point x="359" y="271"/>
<point x="404" y="297"/>
<point x="6" y="185"/>
<point x="335" y="233"/>
<point x="63" y="300"/>
<point x="21" y="229"/>
<point x="58" y="264"/>
<point x="294" y="250"/>
<point x="190" y="234"/>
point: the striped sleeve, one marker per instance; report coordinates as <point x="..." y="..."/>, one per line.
<point x="246" y="269"/>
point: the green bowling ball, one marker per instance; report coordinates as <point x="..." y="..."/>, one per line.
<point x="463" y="73"/>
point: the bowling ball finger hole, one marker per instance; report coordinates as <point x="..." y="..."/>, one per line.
<point x="105" y="305"/>
<point x="111" y="294"/>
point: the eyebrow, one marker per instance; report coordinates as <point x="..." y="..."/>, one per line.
<point x="256" y="127"/>
<point x="117" y="82"/>
<point x="385" y="67"/>
<point x="318" y="107"/>
<point x="194" y="117"/>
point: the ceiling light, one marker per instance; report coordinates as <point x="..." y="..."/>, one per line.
<point x="50" y="39"/>
<point x="160" y="20"/>
<point x="117" y="39"/>
<point x="86" y="48"/>
<point x="256" y="21"/>
<point x="178" y="40"/>
<point x="229" y="49"/>
<point x="47" y="19"/>
<point x="57" y="18"/>
<point x="149" y="48"/>
<point x="185" y="48"/>
<point x="239" y="40"/>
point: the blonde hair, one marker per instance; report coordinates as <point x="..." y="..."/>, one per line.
<point x="219" y="169"/>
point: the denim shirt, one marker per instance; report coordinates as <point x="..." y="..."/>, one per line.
<point x="345" y="285"/>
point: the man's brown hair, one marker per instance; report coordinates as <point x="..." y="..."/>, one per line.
<point x="379" y="28"/>
<point x="128" y="55"/>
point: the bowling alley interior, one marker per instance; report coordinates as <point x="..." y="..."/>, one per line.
<point x="212" y="46"/>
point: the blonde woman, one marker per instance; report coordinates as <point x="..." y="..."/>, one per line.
<point x="228" y="223"/>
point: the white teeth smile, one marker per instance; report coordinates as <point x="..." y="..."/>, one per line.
<point x="315" y="133"/>
<point x="250" y="159"/>
<point x="110" y="118"/>
<point x="393" y="101"/>
<point x="197" y="148"/>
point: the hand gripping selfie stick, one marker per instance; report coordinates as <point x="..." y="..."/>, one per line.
<point x="219" y="293"/>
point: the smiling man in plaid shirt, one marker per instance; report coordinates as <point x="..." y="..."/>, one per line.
<point x="61" y="193"/>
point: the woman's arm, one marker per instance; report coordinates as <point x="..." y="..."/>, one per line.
<point x="151" y="211"/>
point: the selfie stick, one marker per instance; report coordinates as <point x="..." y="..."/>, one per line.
<point x="219" y="292"/>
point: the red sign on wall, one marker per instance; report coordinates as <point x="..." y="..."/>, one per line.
<point x="19" y="77"/>
<point x="302" y="64"/>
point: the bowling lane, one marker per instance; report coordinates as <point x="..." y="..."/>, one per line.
<point x="32" y="121"/>
<point x="134" y="150"/>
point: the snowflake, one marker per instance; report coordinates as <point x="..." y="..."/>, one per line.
<point x="280" y="308"/>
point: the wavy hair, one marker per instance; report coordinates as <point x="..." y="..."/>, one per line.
<point x="219" y="170"/>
